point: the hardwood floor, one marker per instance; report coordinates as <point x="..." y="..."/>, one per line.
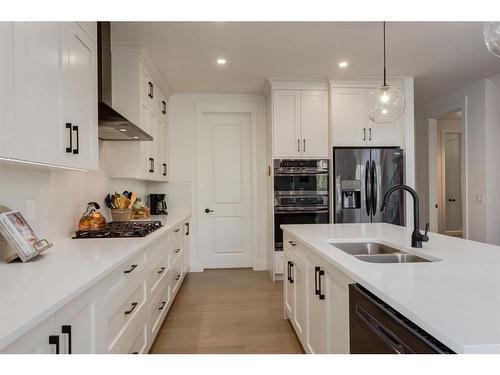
<point x="227" y="311"/>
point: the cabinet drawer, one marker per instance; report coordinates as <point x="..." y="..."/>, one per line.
<point x="159" y="248"/>
<point x="123" y="278"/>
<point x="177" y="251"/>
<point x="159" y="271"/>
<point x="159" y="306"/>
<point x="140" y="341"/>
<point x="121" y="316"/>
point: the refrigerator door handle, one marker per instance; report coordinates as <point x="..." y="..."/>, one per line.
<point x="368" y="188"/>
<point x="374" y="182"/>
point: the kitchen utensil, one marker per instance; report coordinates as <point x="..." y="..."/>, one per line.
<point x="92" y="219"/>
<point x="133" y="198"/>
<point x="121" y="214"/>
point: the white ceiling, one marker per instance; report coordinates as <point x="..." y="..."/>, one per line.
<point x="442" y="56"/>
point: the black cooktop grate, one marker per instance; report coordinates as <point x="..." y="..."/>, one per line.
<point x="121" y="229"/>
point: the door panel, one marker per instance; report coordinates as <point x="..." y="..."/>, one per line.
<point x="80" y="77"/>
<point x="286" y="123"/>
<point x="350" y="172"/>
<point x="300" y="292"/>
<point x="47" y="135"/>
<point x="349" y="117"/>
<point x="387" y="171"/>
<point x="314" y="111"/>
<point x="226" y="180"/>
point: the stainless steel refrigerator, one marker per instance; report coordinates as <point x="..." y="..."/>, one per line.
<point x="360" y="179"/>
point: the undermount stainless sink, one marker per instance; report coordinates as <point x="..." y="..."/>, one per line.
<point x="374" y="252"/>
<point x="392" y="258"/>
<point x="365" y="248"/>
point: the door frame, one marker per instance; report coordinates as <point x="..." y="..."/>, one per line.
<point x="442" y="198"/>
<point x="251" y="109"/>
<point x="432" y="115"/>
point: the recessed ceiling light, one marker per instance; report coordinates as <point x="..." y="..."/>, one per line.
<point x="123" y="130"/>
<point x="221" y="61"/>
<point x="343" y="64"/>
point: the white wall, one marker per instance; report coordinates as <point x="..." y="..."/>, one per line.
<point x="183" y="156"/>
<point x="60" y="196"/>
<point x="481" y="116"/>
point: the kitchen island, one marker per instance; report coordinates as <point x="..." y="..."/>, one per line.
<point x="453" y="297"/>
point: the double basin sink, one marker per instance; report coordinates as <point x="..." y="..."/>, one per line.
<point x="374" y="252"/>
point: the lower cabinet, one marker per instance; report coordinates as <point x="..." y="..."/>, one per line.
<point x="122" y="313"/>
<point x="316" y="300"/>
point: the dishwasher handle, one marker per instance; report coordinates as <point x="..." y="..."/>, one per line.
<point x="383" y="332"/>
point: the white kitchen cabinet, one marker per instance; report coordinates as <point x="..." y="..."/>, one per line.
<point x="36" y="340"/>
<point x="75" y="325"/>
<point x="52" y="67"/>
<point x="351" y="125"/>
<point x="300" y="123"/>
<point x="139" y="97"/>
<point x="286" y="123"/>
<point x="80" y="94"/>
<point x="314" y="123"/>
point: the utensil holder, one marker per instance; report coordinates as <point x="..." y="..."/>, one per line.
<point x="121" y="214"/>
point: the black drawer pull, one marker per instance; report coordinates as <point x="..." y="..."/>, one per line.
<point x="187" y="229"/>
<point x="132" y="267"/>
<point x="164" y="104"/>
<point x="134" y="353"/>
<point x="66" y="329"/>
<point x="69" y="149"/>
<point x="316" y="270"/>
<point x="177" y="277"/>
<point x="162" y="305"/>
<point x="292" y="243"/>
<point x="176" y="230"/>
<point x="288" y="270"/>
<point x="132" y="308"/>
<point x="54" y="340"/>
<point x="164" y="169"/>
<point x="162" y="269"/>
<point x="320" y="273"/>
<point x="77" y="150"/>
<point x="177" y="251"/>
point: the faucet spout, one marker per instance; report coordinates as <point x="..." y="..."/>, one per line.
<point x="417" y="237"/>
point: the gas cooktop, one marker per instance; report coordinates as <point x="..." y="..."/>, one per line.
<point x="121" y="229"/>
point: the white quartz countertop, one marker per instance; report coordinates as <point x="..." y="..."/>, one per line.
<point x="30" y="292"/>
<point x="456" y="299"/>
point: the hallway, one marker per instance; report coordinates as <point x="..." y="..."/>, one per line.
<point x="227" y="311"/>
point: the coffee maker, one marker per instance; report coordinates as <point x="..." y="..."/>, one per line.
<point x="157" y="204"/>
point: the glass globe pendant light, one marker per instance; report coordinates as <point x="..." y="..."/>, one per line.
<point x="491" y="34"/>
<point x="386" y="103"/>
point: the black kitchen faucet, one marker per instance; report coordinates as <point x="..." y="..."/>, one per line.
<point x="416" y="237"/>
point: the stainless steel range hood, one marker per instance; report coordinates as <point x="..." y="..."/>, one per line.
<point x="112" y="125"/>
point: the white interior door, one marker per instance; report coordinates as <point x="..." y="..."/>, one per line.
<point x="225" y="180"/>
<point x="452" y="184"/>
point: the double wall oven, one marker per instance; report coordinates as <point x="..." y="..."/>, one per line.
<point x="300" y="194"/>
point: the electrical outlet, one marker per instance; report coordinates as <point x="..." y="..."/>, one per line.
<point x="31" y="209"/>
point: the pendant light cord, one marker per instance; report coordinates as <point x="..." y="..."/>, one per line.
<point x="385" y="80"/>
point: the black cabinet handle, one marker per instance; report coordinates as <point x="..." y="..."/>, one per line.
<point x="150" y="94"/>
<point x="132" y="308"/>
<point x="177" y="251"/>
<point x="288" y="270"/>
<point x="164" y="169"/>
<point x="316" y="270"/>
<point x="162" y="305"/>
<point x="164" y="111"/>
<point x="304" y="145"/>
<point x="151" y="165"/>
<point x="369" y="134"/>
<point x="54" y="340"/>
<point x="177" y="230"/>
<point x="66" y="329"/>
<point x="177" y="277"/>
<point x="69" y="149"/>
<point x="291" y="273"/>
<point x="187" y="229"/>
<point x="77" y="150"/>
<point x="320" y="273"/>
<point x="132" y="267"/>
<point x="162" y="269"/>
<point x="292" y="243"/>
<point x="134" y="353"/>
<point x="364" y="134"/>
<point x="298" y="145"/>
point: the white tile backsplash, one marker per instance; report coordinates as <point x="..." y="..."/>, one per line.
<point x="60" y="197"/>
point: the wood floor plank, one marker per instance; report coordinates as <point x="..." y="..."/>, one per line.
<point x="227" y="311"/>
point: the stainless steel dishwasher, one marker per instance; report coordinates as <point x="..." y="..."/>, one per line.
<point x="376" y="328"/>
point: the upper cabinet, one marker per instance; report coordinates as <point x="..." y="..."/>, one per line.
<point x="49" y="99"/>
<point x="351" y="125"/>
<point x="300" y="123"/>
<point x="138" y="95"/>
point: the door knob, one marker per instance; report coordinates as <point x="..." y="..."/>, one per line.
<point x="208" y="210"/>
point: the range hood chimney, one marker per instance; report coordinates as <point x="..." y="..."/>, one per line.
<point x="112" y="125"/>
